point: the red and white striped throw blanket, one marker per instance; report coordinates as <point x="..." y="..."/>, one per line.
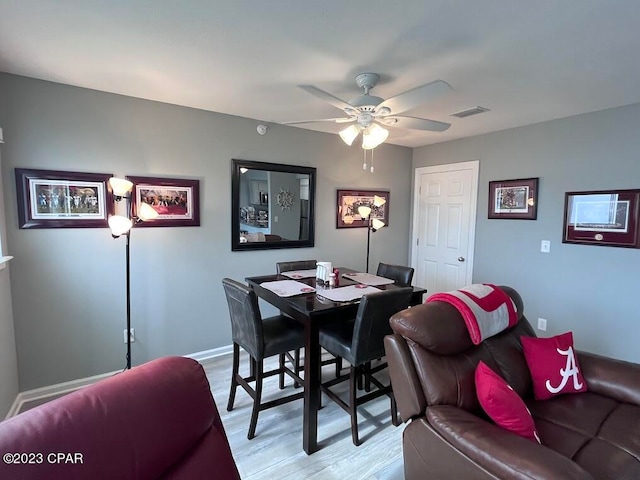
<point x="486" y="309"/>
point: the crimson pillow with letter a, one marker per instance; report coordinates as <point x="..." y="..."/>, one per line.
<point x="553" y="365"/>
<point x="503" y="404"/>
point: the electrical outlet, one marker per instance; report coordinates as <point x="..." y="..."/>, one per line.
<point x="132" y="335"/>
<point x="545" y="246"/>
<point x="542" y="324"/>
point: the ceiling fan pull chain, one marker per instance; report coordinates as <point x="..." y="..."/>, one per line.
<point x="372" y="159"/>
<point x="364" y="165"/>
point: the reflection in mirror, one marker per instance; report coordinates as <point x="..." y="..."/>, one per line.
<point x="273" y="205"/>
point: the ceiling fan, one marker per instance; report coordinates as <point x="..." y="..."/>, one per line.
<point x="367" y="112"/>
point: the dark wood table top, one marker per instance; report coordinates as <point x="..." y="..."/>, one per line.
<point x="314" y="303"/>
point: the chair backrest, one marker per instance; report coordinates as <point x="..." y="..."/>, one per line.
<point x="372" y="322"/>
<point x="295" y="265"/>
<point x="246" y="321"/>
<point x="401" y="274"/>
<point x="443" y="357"/>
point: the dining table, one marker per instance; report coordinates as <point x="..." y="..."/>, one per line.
<point x="312" y="309"/>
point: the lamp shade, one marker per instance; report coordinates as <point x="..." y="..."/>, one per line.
<point x="119" y="225"/>
<point x="146" y="212"/>
<point x="120" y="186"/>
<point x="349" y="134"/>
<point x="377" y="224"/>
<point x="364" y="211"/>
<point x="378" y="201"/>
<point x="373" y="136"/>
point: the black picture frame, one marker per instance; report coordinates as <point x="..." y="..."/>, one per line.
<point x="177" y="200"/>
<point x="63" y="199"/>
<point x="513" y="199"/>
<point x="347" y="204"/>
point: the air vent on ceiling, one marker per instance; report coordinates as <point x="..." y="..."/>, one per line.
<point x="470" y="111"/>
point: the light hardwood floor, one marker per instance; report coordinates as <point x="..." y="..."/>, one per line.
<point x="276" y="451"/>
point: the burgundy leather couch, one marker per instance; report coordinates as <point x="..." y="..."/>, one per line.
<point x="155" y="421"/>
<point x="590" y="435"/>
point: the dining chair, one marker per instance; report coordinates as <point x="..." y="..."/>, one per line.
<point x="260" y="338"/>
<point x="400" y="274"/>
<point x="295" y="265"/>
<point x="361" y="342"/>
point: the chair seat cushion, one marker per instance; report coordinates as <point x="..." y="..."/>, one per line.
<point x="598" y="433"/>
<point x="281" y="334"/>
<point x="337" y="339"/>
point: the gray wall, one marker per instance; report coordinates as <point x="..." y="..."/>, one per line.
<point x="8" y="357"/>
<point x="68" y="284"/>
<point x="587" y="289"/>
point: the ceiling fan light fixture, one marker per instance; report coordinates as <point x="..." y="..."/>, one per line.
<point x="373" y="136"/>
<point x="349" y="134"/>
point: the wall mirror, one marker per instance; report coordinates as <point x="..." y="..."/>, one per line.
<point x="272" y="205"/>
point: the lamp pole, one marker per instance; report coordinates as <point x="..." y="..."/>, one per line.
<point x="368" y="241"/>
<point x="128" y="259"/>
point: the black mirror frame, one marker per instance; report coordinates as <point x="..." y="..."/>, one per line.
<point x="236" y="246"/>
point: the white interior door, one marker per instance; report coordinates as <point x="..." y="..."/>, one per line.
<point x="444" y="225"/>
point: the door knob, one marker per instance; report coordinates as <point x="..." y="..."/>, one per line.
<point x="461" y="259"/>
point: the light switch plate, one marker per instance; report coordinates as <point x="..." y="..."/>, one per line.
<point x="545" y="246"/>
<point x="542" y="324"/>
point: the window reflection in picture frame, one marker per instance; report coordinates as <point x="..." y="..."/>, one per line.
<point x="605" y="217"/>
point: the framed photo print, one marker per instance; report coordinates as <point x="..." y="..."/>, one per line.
<point x="514" y="199"/>
<point x="176" y="200"/>
<point x="58" y="199"/>
<point x="605" y="217"/>
<point x="349" y="201"/>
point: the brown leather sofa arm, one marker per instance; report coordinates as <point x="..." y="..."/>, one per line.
<point x="499" y="452"/>
<point x="614" y="378"/>
<point x="406" y="386"/>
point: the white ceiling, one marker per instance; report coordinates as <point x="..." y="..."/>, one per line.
<point x="528" y="61"/>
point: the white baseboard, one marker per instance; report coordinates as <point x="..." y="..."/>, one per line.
<point x="203" y="358"/>
<point x="207" y="356"/>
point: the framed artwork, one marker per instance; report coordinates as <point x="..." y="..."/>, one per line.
<point x="514" y="199"/>
<point x="349" y="201"/>
<point x="605" y="217"/>
<point x="58" y="199"/>
<point x="176" y="200"/>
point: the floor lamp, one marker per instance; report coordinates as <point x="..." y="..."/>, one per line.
<point x="373" y="224"/>
<point x="121" y="225"/>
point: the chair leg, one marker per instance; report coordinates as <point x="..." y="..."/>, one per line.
<point x="367" y="382"/>
<point x="394" y="411"/>
<point x="252" y="367"/>
<point x="338" y="366"/>
<point x="256" y="400"/>
<point x="353" y="405"/>
<point x="281" y="374"/>
<point x="296" y="366"/>
<point x="234" y="373"/>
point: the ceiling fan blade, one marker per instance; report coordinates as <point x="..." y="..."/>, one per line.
<point x="417" y="96"/>
<point x="334" y="120"/>
<point x="327" y="97"/>
<point x="414" y="123"/>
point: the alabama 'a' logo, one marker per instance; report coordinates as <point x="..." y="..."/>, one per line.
<point x="570" y="370"/>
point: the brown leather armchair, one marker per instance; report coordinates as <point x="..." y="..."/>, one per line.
<point x="590" y="435"/>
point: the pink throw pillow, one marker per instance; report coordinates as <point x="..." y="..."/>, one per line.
<point x="553" y="365"/>
<point x="503" y="404"/>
